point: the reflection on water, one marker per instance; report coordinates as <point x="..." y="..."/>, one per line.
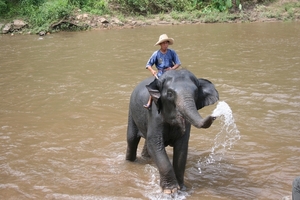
<point x="64" y="103"/>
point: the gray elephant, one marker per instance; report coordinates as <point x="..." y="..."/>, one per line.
<point x="177" y="97"/>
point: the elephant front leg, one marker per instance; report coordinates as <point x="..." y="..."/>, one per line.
<point x="180" y="152"/>
<point x="168" y="181"/>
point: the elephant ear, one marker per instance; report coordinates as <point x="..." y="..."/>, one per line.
<point x="207" y="93"/>
<point x="154" y="93"/>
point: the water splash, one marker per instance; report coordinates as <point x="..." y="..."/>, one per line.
<point x="225" y="138"/>
<point x="153" y="188"/>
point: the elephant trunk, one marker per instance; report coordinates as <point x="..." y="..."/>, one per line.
<point x="190" y="112"/>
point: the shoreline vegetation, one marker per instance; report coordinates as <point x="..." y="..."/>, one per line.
<point x="68" y="15"/>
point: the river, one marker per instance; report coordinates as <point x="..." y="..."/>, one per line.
<point x="64" y="104"/>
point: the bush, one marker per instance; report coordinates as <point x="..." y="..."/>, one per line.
<point x="45" y="13"/>
<point x="167" y="6"/>
<point x="99" y="7"/>
<point x="150" y="6"/>
<point x="221" y="5"/>
<point x="3" y="7"/>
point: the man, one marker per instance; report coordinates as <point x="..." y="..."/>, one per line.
<point x="164" y="59"/>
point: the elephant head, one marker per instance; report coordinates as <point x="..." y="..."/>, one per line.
<point x="178" y="95"/>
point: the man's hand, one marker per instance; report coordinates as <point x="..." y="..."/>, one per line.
<point x="153" y="72"/>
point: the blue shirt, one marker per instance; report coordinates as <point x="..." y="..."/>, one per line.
<point x="163" y="61"/>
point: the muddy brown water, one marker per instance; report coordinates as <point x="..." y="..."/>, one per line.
<point x="64" y="103"/>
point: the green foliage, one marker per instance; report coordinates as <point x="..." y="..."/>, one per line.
<point x="42" y="13"/>
<point x="151" y="6"/>
<point x="221" y="5"/>
<point x="79" y="3"/>
<point x="3" y="7"/>
<point x="182" y="16"/>
<point x="55" y="9"/>
<point x="99" y="7"/>
<point x="195" y="5"/>
<point x="93" y="6"/>
<point x="167" y="6"/>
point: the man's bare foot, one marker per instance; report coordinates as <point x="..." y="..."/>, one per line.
<point x="147" y="106"/>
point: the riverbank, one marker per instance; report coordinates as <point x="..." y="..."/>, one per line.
<point x="282" y="10"/>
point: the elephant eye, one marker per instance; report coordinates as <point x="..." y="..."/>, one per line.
<point x="170" y="94"/>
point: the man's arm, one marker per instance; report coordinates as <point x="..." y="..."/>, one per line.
<point x="153" y="72"/>
<point x="175" y="66"/>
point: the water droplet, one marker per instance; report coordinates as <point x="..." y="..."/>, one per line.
<point x="225" y="138"/>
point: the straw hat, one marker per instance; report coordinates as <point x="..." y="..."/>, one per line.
<point x="164" y="38"/>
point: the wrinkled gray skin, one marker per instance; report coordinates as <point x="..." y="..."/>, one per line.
<point x="177" y="97"/>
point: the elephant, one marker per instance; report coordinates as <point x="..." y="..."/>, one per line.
<point x="177" y="96"/>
